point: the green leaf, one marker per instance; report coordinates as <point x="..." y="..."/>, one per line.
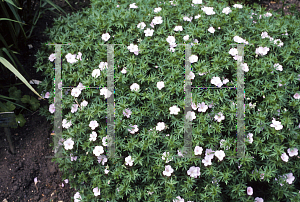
<point x="20" y="118"/>
<point x="16" y="72"/>
<point x="10" y="106"/>
<point x="25" y="99"/>
<point x="35" y="104"/>
<point x="12" y="3"/>
<point x="14" y="93"/>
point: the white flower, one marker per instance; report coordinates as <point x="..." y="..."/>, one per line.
<point x="157" y="20"/>
<point x="168" y="170"/>
<point x="278" y="67"/>
<point x="191" y="75"/>
<point x="245" y="67"/>
<point x="297" y="96"/>
<point x="193" y="58"/>
<point x="237" y="6"/>
<point x="105" y="140"/>
<point x="171" y="39"/>
<point x="206" y="161"/>
<point x="104" y="91"/>
<point x="190" y="116"/>
<point x="74" y="108"/>
<point x="249" y="190"/>
<point x="128" y="161"/>
<point x="197" y="16"/>
<point x="156" y="10"/>
<point x="160" y="126"/>
<point x="93" y="136"/>
<point x="285" y="157"/>
<point x="194" y="106"/>
<point x="69" y="144"/>
<point x="96" y="191"/>
<point x="102" y="158"/>
<point x="226" y="10"/>
<point x="84" y="103"/>
<point x="127" y="112"/>
<point x="233" y="51"/>
<point x="208" y="10"/>
<point x="185" y="18"/>
<point x="186" y="37"/>
<point x="268" y="14"/>
<point x="164" y="157"/>
<point x="197" y="1"/>
<point x="106" y="171"/>
<point x="211" y="30"/>
<point x="66" y="124"/>
<point x="96" y="73"/>
<point x="264" y="35"/>
<point x="178" y="28"/>
<point x="133" y="5"/>
<point x="71" y="58"/>
<point x="202" y="107"/>
<point x="250" y="137"/>
<point x="216" y="81"/>
<point x="290" y="178"/>
<point x="292" y="152"/>
<point x="178" y="199"/>
<point x="148" y="32"/>
<point x="225" y="81"/>
<point x="174" y="110"/>
<point x="98" y="150"/>
<point x="276" y="124"/>
<point x="220" y="154"/>
<point x="77" y="197"/>
<point x="103" y="65"/>
<point x="135" y="129"/>
<point x="52" y="108"/>
<point x="93" y="125"/>
<point x="52" y="57"/>
<point x="73" y="158"/>
<point x="141" y="25"/>
<point x="262" y="50"/>
<point x="257" y="199"/>
<point x="132" y="48"/>
<point x="194" y="171"/>
<point x="135" y="87"/>
<point x="123" y="71"/>
<point x="198" y="150"/>
<point x="160" y="85"/>
<point x="238" y="39"/>
<point x="79" y="56"/>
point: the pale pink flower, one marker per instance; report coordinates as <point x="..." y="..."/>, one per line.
<point x="292" y="152"/>
<point x="96" y="73"/>
<point x="149" y="32"/>
<point x="157" y="20"/>
<point x="105" y="140"/>
<point x="134" y="87"/>
<point x="102" y="158"/>
<point x="245" y="67"/>
<point x="250" y="137"/>
<point x="186" y="37"/>
<point x="73" y="158"/>
<point x="202" y="107"/>
<point x="225" y="81"/>
<point x="165" y="156"/>
<point x="93" y="136"/>
<point x="257" y="199"/>
<point x="297" y="96"/>
<point x="276" y="124"/>
<point x="198" y="150"/>
<point x="160" y="126"/>
<point x="134" y="129"/>
<point x="129" y="161"/>
<point x="278" y="67"/>
<point x="216" y="81"/>
<point x="268" y="14"/>
<point x="285" y="157"/>
<point x="171" y="39"/>
<point x="69" y="144"/>
<point x="103" y="65"/>
<point x="77" y="197"/>
<point x="178" y="199"/>
<point x="190" y="116"/>
<point x="206" y="161"/>
<point x="98" y="150"/>
<point x="290" y="178"/>
<point x="52" y="57"/>
<point x="93" y="125"/>
<point x="226" y="10"/>
<point x="220" y="154"/>
<point x="79" y="56"/>
<point x="237" y="6"/>
<point x="208" y="10"/>
<point x="141" y="25"/>
<point x="104" y="91"/>
<point x="219" y="117"/>
<point x="66" y="124"/>
<point x="211" y="30"/>
<point x="174" y="110"/>
<point x="193" y="58"/>
<point x="127" y="112"/>
<point x="160" y="85"/>
<point x="133" y="5"/>
<point x="194" y="172"/>
<point x="52" y="108"/>
<point x="168" y="171"/>
<point x="249" y="191"/>
<point x="74" y="108"/>
<point x="96" y="191"/>
<point x="156" y="10"/>
<point x="233" y="51"/>
<point x="84" y="103"/>
<point x="197" y="1"/>
<point x="178" y="28"/>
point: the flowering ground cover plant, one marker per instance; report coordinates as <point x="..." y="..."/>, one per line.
<point x="149" y="79"/>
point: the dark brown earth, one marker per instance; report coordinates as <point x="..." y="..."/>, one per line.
<point x="17" y="172"/>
